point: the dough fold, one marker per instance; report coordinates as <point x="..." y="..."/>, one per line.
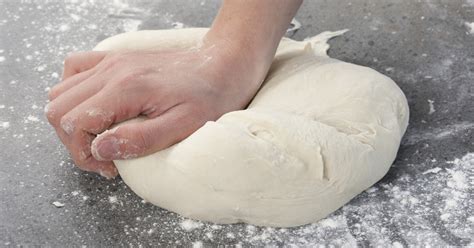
<point x="318" y="132"/>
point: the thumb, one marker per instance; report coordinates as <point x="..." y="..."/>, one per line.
<point x="145" y="136"/>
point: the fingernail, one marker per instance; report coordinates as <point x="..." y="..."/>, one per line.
<point x="67" y="126"/>
<point x="106" y="149"/>
<point x="108" y="174"/>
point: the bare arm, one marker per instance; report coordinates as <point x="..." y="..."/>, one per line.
<point x="254" y="28"/>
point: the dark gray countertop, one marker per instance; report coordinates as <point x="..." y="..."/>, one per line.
<point x="426" y="198"/>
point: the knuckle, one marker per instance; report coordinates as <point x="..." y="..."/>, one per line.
<point x="113" y="60"/>
<point x="52" y="115"/>
<point x="81" y="163"/>
<point x="196" y="112"/>
<point x="81" y="154"/>
<point x="138" y="140"/>
<point x="143" y="139"/>
<point x="125" y="82"/>
<point x="70" y="58"/>
<point x="79" y="158"/>
<point x="53" y="93"/>
<point x="70" y="63"/>
<point x="129" y="78"/>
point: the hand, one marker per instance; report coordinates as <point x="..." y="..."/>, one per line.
<point x="177" y="90"/>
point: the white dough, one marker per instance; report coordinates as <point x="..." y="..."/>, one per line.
<point x="319" y="132"/>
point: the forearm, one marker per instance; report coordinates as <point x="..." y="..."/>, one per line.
<point x="254" y="28"/>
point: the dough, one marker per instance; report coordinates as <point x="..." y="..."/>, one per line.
<point x="319" y="132"/>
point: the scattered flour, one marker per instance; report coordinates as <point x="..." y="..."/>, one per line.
<point x="75" y="17"/>
<point x="5" y="124"/>
<point x="31" y="118"/>
<point x="41" y="68"/>
<point x="113" y="199"/>
<point x="197" y="244"/>
<point x="189" y="225"/>
<point x="331" y="223"/>
<point x="397" y="245"/>
<point x="92" y="26"/>
<point x="431" y="104"/>
<point x="438" y="133"/>
<point x="177" y="25"/>
<point x="64" y="27"/>
<point x="58" y="204"/>
<point x="434" y="170"/>
<point x="470" y="27"/>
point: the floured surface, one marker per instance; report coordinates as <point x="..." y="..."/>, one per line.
<point x="425" y="50"/>
<point x="367" y="216"/>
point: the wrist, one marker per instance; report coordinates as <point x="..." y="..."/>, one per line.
<point x="241" y="54"/>
<point x="252" y="29"/>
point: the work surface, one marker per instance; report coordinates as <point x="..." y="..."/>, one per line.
<point x="427" y="47"/>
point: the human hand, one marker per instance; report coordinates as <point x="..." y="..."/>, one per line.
<point x="176" y="90"/>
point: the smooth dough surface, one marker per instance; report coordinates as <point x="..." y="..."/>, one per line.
<point x="319" y="132"/>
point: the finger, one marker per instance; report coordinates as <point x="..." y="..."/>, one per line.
<point x="65" y="102"/>
<point x="95" y="115"/>
<point x="87" y="162"/>
<point x="106" y="169"/>
<point x="69" y="83"/>
<point x="145" y="137"/>
<point x="80" y="152"/>
<point x="81" y="61"/>
<point x="80" y="149"/>
<point x="100" y="111"/>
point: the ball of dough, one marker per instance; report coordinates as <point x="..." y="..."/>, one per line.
<point x="318" y="132"/>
